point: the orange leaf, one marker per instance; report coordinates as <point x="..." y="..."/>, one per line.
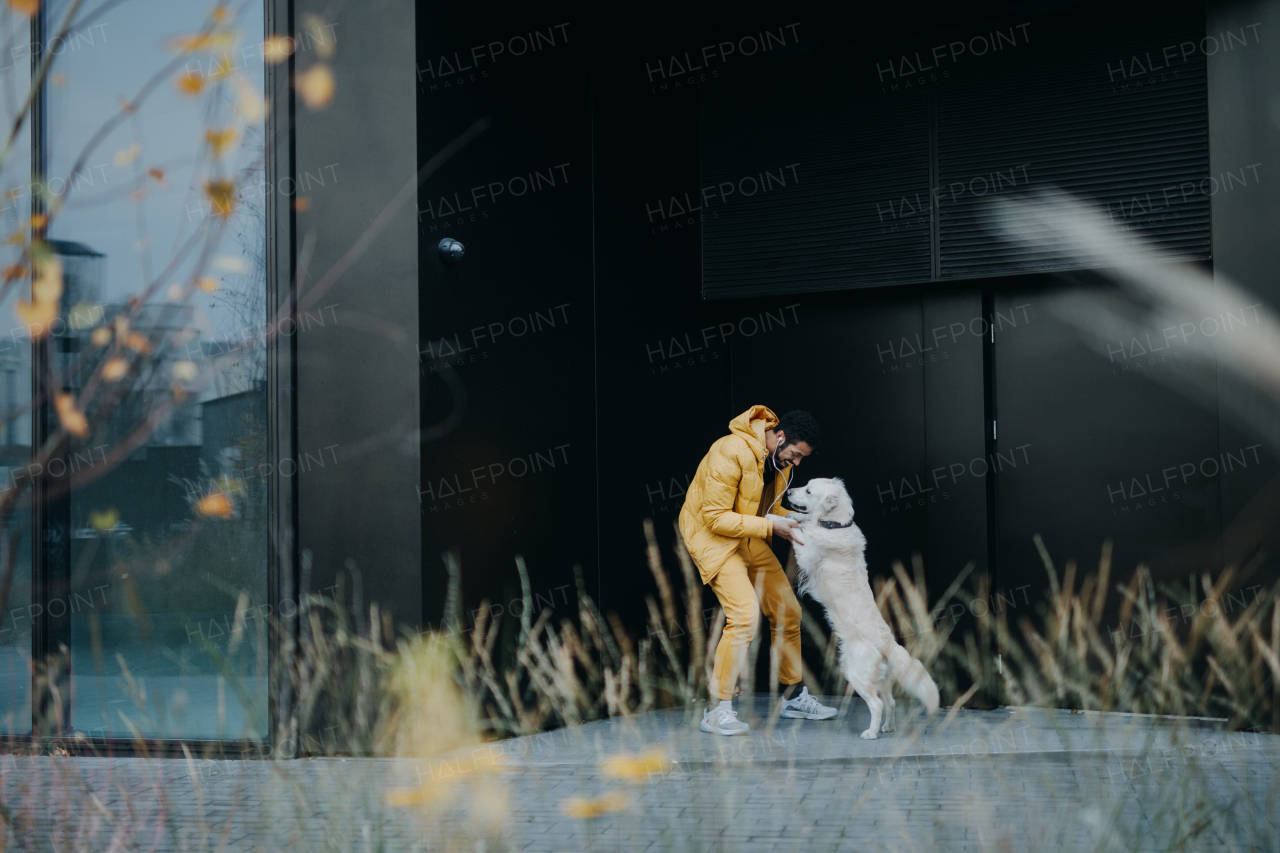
<point x="138" y="342"/>
<point x="25" y="7"/>
<point x="115" y="369"/>
<point x="191" y="83"/>
<point x="157" y="174"/>
<point x="302" y="204"/>
<point x="13" y="272"/>
<point x="36" y="316"/>
<point x="219" y="139"/>
<point x="316" y="86"/>
<point x="101" y="336"/>
<point x="73" y="420"/>
<point x="222" y="195"/>
<point x="215" y="505"/>
<point x="39" y="221"/>
<point x="208" y="285"/>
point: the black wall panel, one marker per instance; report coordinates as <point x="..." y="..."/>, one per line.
<point x="509" y="452"/>
<point x="1117" y="436"/>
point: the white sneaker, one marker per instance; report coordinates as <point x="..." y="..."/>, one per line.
<point x="723" y="721"/>
<point x="802" y="706"/>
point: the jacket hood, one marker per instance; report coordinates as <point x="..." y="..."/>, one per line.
<point x="750" y="426"/>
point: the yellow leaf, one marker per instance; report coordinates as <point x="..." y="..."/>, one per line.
<point x="219" y="139"/>
<point x="208" y="285"/>
<point x="215" y="505"/>
<point x="413" y="796"/>
<point x="115" y="369"/>
<point x="36" y="316"/>
<point x="185" y="371"/>
<point x="316" y="86"/>
<point x="582" y="807"/>
<point x="222" y="41"/>
<point x="636" y="767"/>
<point x="191" y="83"/>
<point x="221" y="14"/>
<point x="25" y="7"/>
<point x="250" y="105"/>
<point x="321" y="36"/>
<point x="47" y="284"/>
<point x="277" y="49"/>
<point x="222" y="195"/>
<point x="127" y="155"/>
<point x="73" y="420"/>
<point x="85" y="315"/>
<point x="59" y="79"/>
<point x="39" y="222"/>
<point x="101" y="336"/>
<point x="104" y="520"/>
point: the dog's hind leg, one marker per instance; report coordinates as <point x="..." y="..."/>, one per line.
<point x="859" y="665"/>
<point x="868" y="694"/>
<point x="890" y="705"/>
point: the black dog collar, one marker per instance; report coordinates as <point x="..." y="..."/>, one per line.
<point x="831" y="525"/>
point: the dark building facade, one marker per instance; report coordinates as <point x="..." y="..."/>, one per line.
<point x="673" y="216"/>
<point x="671" y="213"/>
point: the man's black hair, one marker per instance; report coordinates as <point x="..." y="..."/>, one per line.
<point x="799" y="426"/>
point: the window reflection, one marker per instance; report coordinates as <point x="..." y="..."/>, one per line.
<point x="15" y="395"/>
<point x="167" y="516"/>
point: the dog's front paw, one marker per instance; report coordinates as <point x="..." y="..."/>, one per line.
<point x="869" y="734"/>
<point x="887" y="727"/>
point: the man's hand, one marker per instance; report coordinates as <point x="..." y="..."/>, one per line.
<point x="786" y="528"/>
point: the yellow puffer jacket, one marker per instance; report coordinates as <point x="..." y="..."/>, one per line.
<point x="721" y="504"/>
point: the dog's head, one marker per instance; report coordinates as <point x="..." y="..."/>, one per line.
<point x="823" y="500"/>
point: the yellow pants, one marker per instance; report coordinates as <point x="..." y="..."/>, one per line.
<point x="735" y="586"/>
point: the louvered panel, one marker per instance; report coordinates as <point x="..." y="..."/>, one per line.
<point x="843" y="222"/>
<point x="1082" y="105"/>
<point x="1066" y="112"/>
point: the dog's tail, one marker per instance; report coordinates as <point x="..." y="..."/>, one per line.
<point x="910" y="673"/>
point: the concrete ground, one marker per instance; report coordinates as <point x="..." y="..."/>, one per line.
<point x="1010" y="779"/>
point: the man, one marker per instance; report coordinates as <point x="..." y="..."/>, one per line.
<point x="731" y="513"/>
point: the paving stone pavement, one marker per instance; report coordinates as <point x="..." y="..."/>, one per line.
<point x="1009" y="779"/>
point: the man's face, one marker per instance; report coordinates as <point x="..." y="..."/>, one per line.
<point x="790" y="454"/>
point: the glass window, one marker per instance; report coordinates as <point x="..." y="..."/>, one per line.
<point x="16" y="609"/>
<point x="154" y="157"/>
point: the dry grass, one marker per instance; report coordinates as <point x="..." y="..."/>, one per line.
<point x="356" y="689"/>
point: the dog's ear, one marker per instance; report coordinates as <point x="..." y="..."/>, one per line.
<point x="830" y="502"/>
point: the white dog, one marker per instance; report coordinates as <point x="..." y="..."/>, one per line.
<point x="833" y="569"/>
